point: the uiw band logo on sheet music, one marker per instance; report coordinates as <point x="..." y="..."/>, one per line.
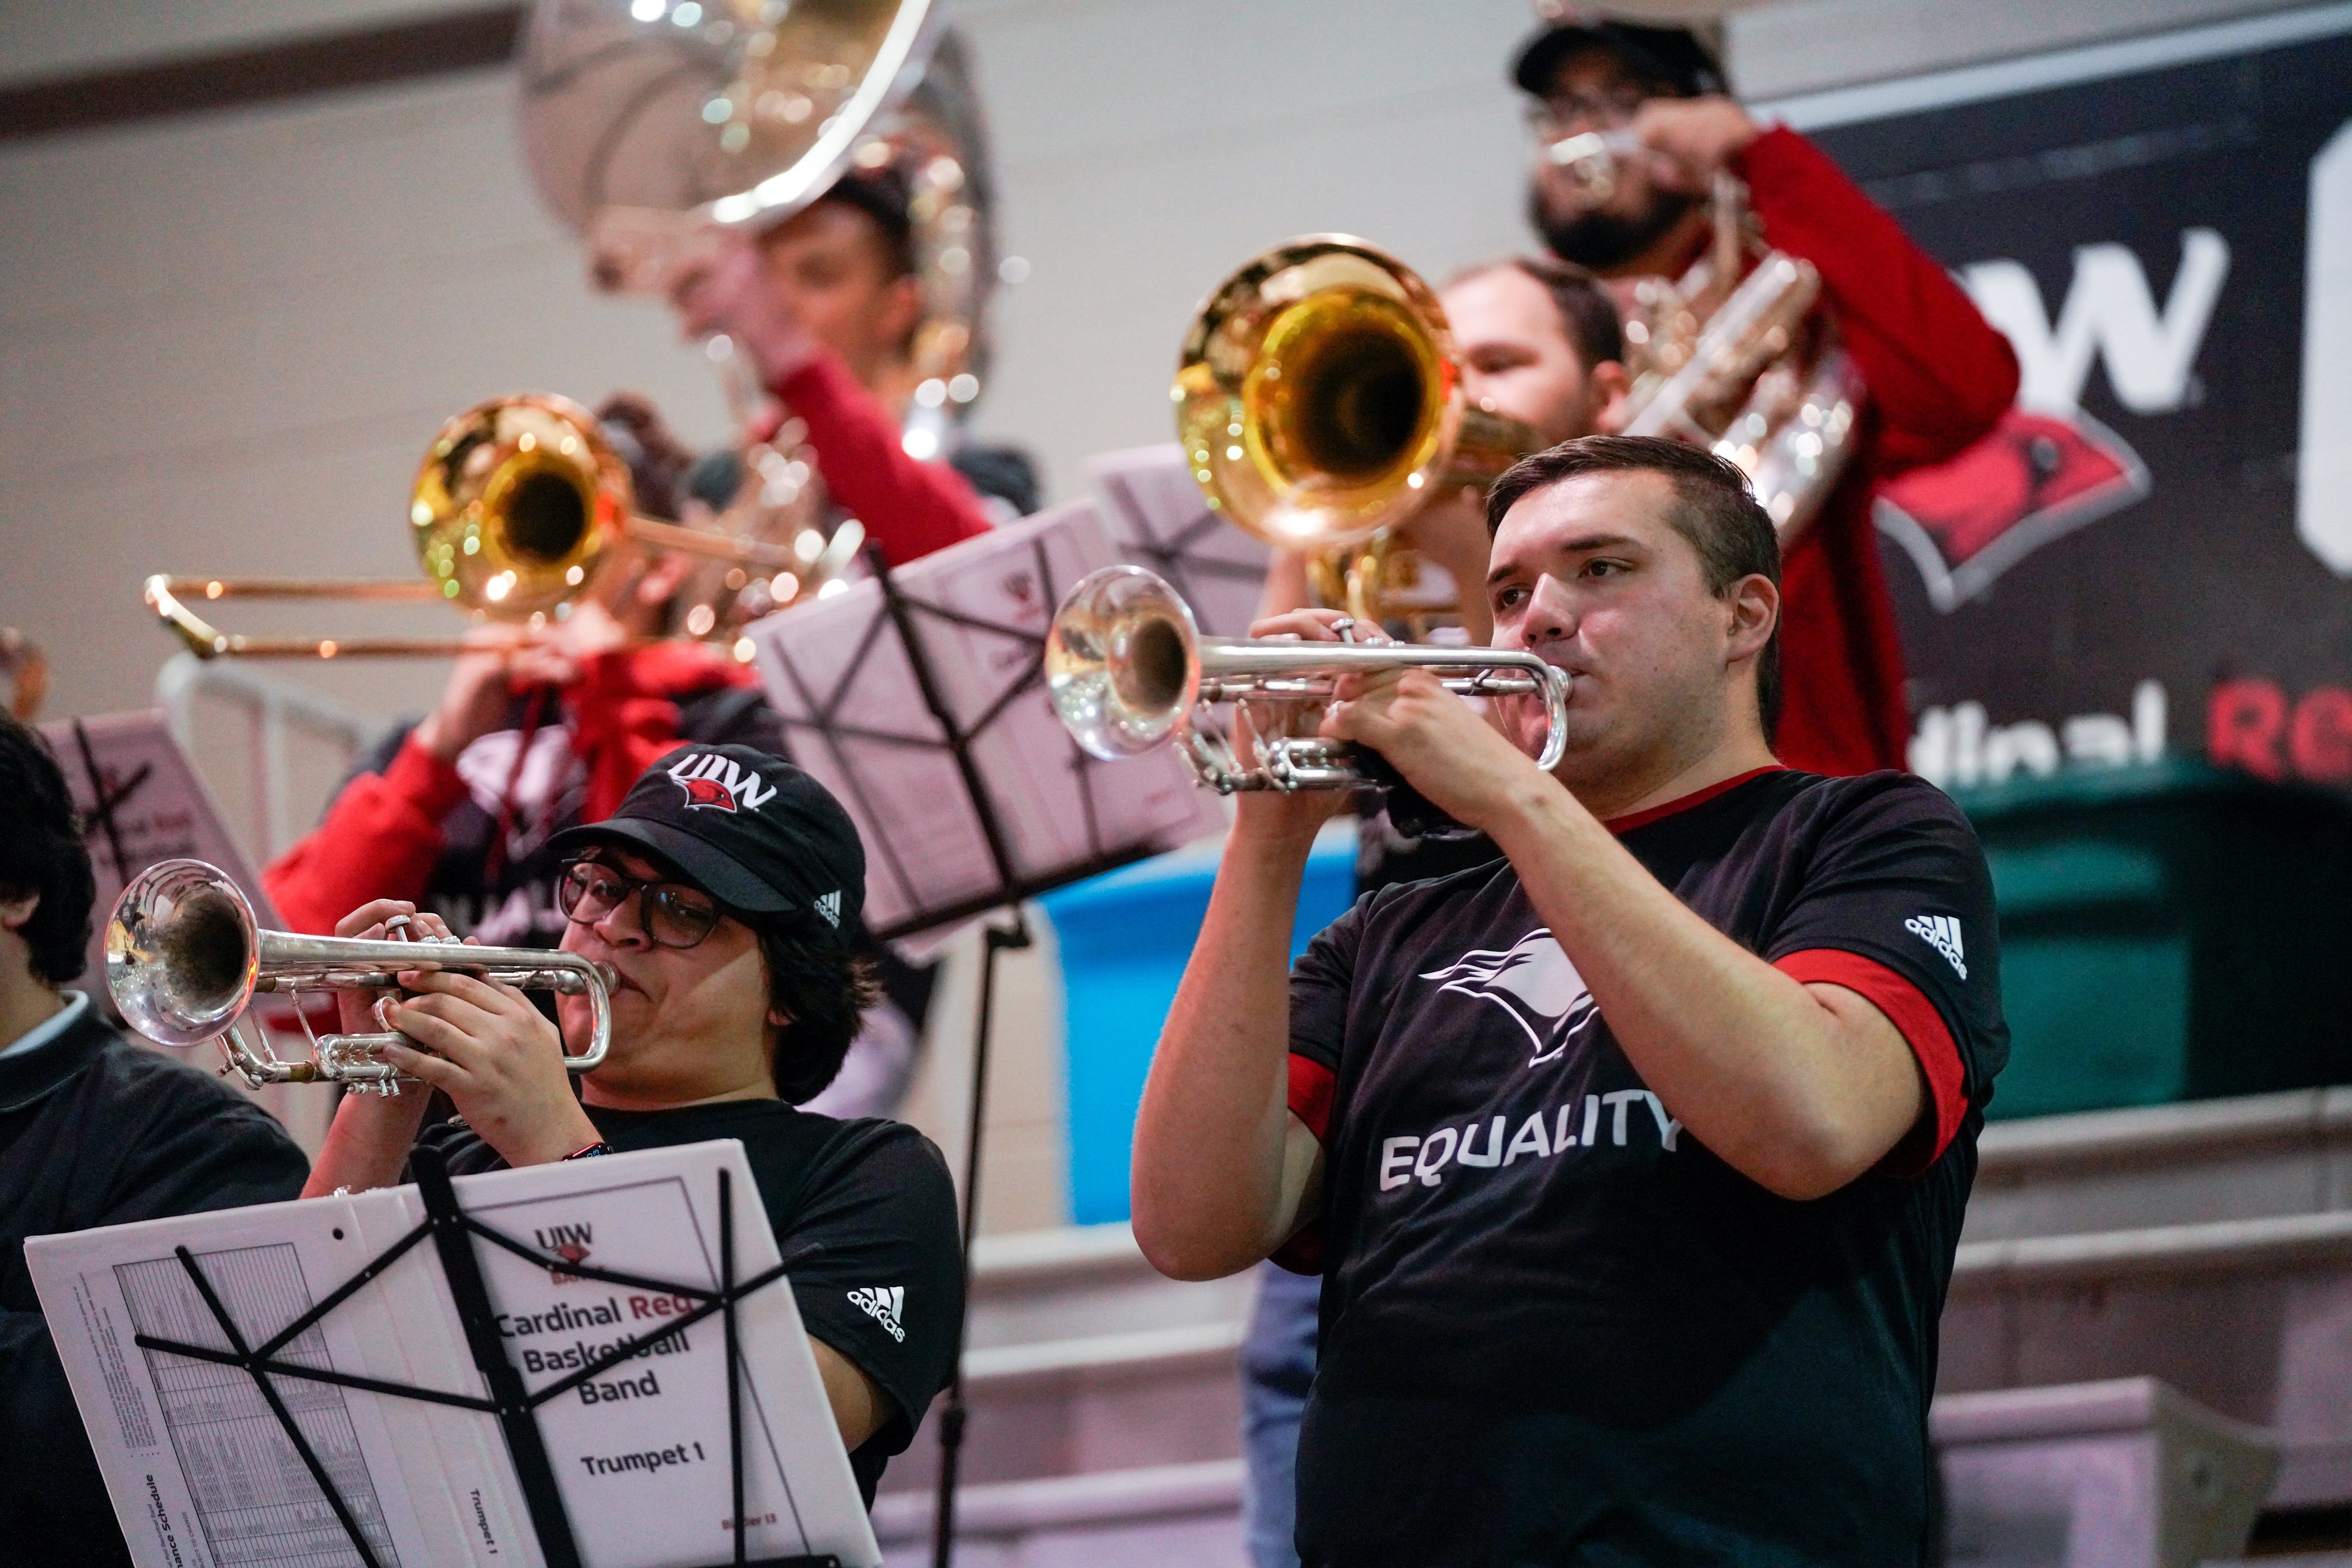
<point x="718" y="784"/>
<point x="1531" y="980"/>
<point x="882" y="1303"/>
<point x="569" y="1242"/>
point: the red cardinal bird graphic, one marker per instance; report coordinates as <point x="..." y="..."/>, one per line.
<point x="708" y="791"/>
<point x="2036" y="477"/>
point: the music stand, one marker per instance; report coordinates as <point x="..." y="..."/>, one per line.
<point x="453" y="1234"/>
<point x="828" y="725"/>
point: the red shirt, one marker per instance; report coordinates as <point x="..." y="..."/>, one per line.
<point x="1938" y="378"/>
<point x="909" y="506"/>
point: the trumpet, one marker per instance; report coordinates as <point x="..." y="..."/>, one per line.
<point x="517" y="504"/>
<point x="184" y="959"/>
<point x="1130" y="671"/>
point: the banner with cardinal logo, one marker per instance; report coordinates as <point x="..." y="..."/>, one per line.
<point x="2153" y="553"/>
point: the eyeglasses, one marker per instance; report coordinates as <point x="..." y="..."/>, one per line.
<point x="674" y="914"/>
<point x="1563" y="114"/>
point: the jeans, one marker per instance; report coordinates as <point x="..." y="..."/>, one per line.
<point x="1278" y="1368"/>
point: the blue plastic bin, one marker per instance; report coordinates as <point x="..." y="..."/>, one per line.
<point x="1124" y="939"/>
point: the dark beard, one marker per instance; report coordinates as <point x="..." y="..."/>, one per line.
<point x="1601" y="240"/>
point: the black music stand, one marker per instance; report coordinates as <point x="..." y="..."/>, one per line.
<point x="828" y="725"/>
<point x="454" y="1233"/>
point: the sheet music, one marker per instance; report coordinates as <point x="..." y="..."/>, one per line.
<point x="1160" y="519"/>
<point x="202" y="1474"/>
<point x="253" y="1497"/>
<point x="199" y="1469"/>
<point x="840" y="676"/>
<point x="640" y="1452"/>
<point x="139" y="800"/>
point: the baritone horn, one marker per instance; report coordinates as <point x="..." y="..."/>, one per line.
<point x="517" y="504"/>
<point x="1742" y="364"/>
<point x="184" y="959"/>
<point x="1130" y="671"/>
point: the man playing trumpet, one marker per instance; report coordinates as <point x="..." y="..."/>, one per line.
<point x="1634" y="1164"/>
<point x="723" y="894"/>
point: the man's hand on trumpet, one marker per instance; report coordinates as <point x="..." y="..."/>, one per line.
<point x="1296" y="814"/>
<point x="497" y="1058"/>
<point x="485" y="1045"/>
<point x="1445" y="748"/>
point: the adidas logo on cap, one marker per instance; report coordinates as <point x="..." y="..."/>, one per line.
<point x="714" y="783"/>
<point x="882" y="1302"/>
<point x="829" y="906"/>
<point x="1941" y="933"/>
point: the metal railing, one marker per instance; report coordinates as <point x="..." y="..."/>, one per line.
<point x="275" y="709"/>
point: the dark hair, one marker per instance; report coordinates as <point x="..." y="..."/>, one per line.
<point x="1588" y="316"/>
<point x="1714" y="510"/>
<point x="882" y="195"/>
<point x="823" y="988"/>
<point x="42" y="853"/>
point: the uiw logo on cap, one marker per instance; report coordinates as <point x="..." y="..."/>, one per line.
<point x="718" y="783"/>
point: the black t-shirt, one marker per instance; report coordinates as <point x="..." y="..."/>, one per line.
<point x="868" y="1210"/>
<point x="1554" y="1328"/>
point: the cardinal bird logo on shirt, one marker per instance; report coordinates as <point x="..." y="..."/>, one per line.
<point x="714" y="783"/>
<point x="1531" y="980"/>
<point x="2035" y="478"/>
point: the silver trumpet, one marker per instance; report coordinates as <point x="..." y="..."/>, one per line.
<point x="185" y="958"/>
<point x="1130" y="671"/>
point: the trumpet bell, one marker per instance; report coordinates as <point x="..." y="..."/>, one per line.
<point x="515" y="504"/>
<point x="183" y="953"/>
<point x="1122" y="662"/>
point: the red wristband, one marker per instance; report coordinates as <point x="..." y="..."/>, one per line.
<point x="598" y="1147"/>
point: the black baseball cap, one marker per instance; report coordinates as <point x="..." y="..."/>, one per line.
<point x="752" y="830"/>
<point x="1673" y="56"/>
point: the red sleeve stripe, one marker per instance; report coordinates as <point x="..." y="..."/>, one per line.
<point x="1908" y="1008"/>
<point x="1310" y="1095"/>
<point x="1311" y="1084"/>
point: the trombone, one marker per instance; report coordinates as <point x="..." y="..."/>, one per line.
<point x="1320" y="403"/>
<point x="517" y="503"/>
<point x="1130" y="671"/>
<point x="184" y="959"/>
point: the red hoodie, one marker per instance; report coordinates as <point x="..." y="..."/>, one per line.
<point x="1938" y="378"/>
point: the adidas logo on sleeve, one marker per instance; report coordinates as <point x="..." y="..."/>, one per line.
<point x="1941" y="933"/>
<point x="882" y="1303"/>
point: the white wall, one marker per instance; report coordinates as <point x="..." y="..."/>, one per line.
<point x="226" y="339"/>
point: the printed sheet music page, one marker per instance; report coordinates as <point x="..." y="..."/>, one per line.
<point x="202" y="1473"/>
